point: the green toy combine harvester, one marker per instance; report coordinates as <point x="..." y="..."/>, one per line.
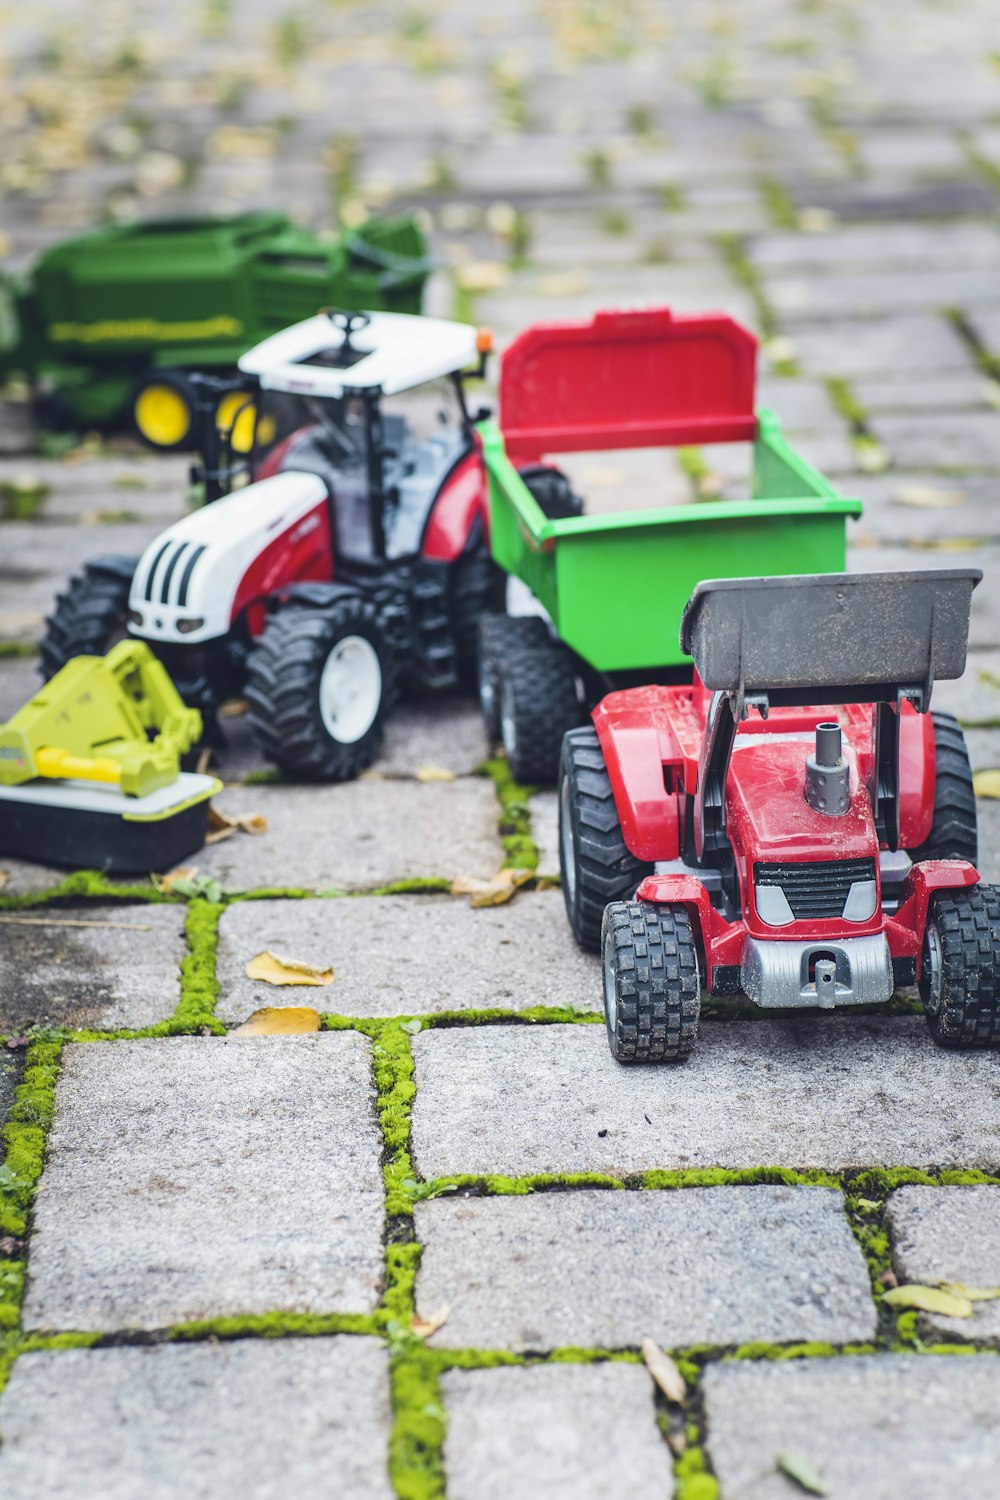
<point x="110" y="324"/>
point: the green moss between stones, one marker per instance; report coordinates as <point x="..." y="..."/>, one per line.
<point x="24" y="1133"/>
<point x="692" y="1480"/>
<point x="87" y="885"/>
<point x="727" y="1177"/>
<point x="199" y="985"/>
<point x="520" y="849"/>
<point x="26" y="649"/>
<point x="778" y="202"/>
<point x="273" y="1325"/>
<point x="416" y="1443"/>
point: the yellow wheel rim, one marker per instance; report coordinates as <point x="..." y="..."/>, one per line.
<point x="162" y="415"/>
<point x="236" y="416"/>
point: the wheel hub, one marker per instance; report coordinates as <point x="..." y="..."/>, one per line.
<point x="610" y="995"/>
<point x="933" y="964"/>
<point x="566" y="842"/>
<point x="350" y="689"/>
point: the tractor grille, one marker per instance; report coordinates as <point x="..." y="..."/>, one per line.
<point x="817" y="888"/>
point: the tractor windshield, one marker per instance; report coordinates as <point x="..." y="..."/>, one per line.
<point x="339" y="424"/>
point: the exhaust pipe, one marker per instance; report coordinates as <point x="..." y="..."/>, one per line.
<point x="828" y="777"/>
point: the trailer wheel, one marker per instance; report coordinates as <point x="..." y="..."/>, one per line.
<point x="89" y="617"/>
<point x="652" y="984"/>
<point x="319" y="684"/>
<point x="162" y="406"/>
<point x="499" y="637"/>
<point x="595" y="864"/>
<point x="538" y="702"/>
<point x="477" y="593"/>
<point x="954" y="833"/>
<point x="960" y="971"/>
<point x="551" y="488"/>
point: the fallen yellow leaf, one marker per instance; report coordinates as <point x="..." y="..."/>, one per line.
<point x="434" y="773"/>
<point x="222" y="826"/>
<point x="165" y="883"/>
<point x="273" y="968"/>
<point x="929" y="1299"/>
<point x="972" y="1293"/>
<point x="664" y="1371"/>
<point x="280" y="1020"/>
<point x="491" y="892"/>
<point x="424" y="1327"/>
<point x="927" y="497"/>
<point x="986" y="783"/>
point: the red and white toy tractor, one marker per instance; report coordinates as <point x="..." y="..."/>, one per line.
<point x="795" y="826"/>
<point x="358" y="554"/>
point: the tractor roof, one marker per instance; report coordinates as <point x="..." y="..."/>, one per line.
<point x="393" y="352"/>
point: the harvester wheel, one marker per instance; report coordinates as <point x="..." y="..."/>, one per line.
<point x="652" y="985"/>
<point x="953" y="832"/>
<point x="89" y="618"/>
<point x="499" y="637"/>
<point x="319" y="684"/>
<point x="595" y="864"/>
<point x="960" y="970"/>
<point x="538" y="703"/>
<point x="162" y="406"/>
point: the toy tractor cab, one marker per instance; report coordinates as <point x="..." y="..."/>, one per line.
<point x="796" y="826"/>
<point x="357" y="553"/>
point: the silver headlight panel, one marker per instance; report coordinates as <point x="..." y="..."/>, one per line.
<point x="861" y="901"/>
<point x="772" y="905"/>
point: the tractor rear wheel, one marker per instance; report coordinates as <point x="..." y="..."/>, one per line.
<point x="652" y="984"/>
<point x="319" y="684"/>
<point x="595" y="864"/>
<point x="162" y="407"/>
<point x="538" y="702"/>
<point x="960" y="970"/>
<point x="499" y="637"/>
<point x="90" y="616"/>
<point x="954" y="833"/>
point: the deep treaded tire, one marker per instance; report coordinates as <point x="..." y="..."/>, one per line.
<point x="285" y="675"/>
<point x="954" y="833"/>
<point x="652" y="986"/>
<point x="538" y="703"/>
<point x="87" y="619"/>
<point x="595" y="864"/>
<point x="960" y="973"/>
<point x="499" y="636"/>
<point x="478" y="587"/>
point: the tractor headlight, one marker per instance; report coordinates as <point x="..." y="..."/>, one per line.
<point x="772" y="905"/>
<point x="134" y="617"/>
<point x="861" y="901"/>
<point x="193" y="622"/>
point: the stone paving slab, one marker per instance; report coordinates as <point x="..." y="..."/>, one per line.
<point x="19" y="681"/>
<point x="924" y="510"/>
<point x="876" y="1427"/>
<point x="358" y="834"/>
<point x="918" y="342"/>
<point x="10" y="1076"/>
<point x="258" y="1419"/>
<point x="813" y="1091"/>
<point x="544" y="809"/>
<point x="588" y="1268"/>
<point x="950" y="1234"/>
<point x="946" y="440"/>
<point x="191" y="1178"/>
<point x="121" y="971"/>
<point x="560" y="1432"/>
<point x="102" y="493"/>
<point x="406" y="955"/>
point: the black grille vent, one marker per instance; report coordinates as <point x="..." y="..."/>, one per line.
<point x="817" y="888"/>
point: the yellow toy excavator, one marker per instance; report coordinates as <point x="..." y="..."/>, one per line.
<point x="90" y="768"/>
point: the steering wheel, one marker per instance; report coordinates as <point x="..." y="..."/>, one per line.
<point x="348" y="322"/>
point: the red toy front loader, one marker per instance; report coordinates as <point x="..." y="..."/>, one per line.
<point x="796" y="826"/>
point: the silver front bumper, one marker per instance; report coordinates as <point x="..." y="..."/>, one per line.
<point x="856" y="971"/>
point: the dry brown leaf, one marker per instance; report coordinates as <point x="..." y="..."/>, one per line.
<point x="165" y="883"/>
<point x="280" y="1020"/>
<point x="434" y="773"/>
<point x="491" y="892"/>
<point x="235" y="708"/>
<point x="4" y="878"/>
<point x="203" y="763"/>
<point x="929" y="1299"/>
<point x="986" y="783"/>
<point x="222" y="826"/>
<point x="424" y="1327"/>
<point x="664" y="1371"/>
<point x="971" y="1293"/>
<point x="274" y="968"/>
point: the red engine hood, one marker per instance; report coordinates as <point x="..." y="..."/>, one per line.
<point x="769" y="817"/>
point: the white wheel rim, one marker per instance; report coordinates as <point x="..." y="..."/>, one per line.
<point x="487" y="692"/>
<point x="508" y="733"/>
<point x="350" y="689"/>
<point x="934" y="967"/>
<point x="610" y="997"/>
<point x="566" y="842"/>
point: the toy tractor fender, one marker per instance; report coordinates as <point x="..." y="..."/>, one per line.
<point x="637" y="744"/>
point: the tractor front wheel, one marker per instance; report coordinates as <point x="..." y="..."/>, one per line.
<point x="90" y="616"/>
<point x="538" y="702"/>
<point x="652" y="983"/>
<point x="319" y="684"/>
<point x="960" y="968"/>
<point x="595" y="864"/>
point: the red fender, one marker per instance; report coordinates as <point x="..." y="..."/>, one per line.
<point x="905" y="928"/>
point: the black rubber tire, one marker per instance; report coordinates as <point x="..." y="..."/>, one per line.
<point x="963" y="1006"/>
<point x="87" y="619"/>
<point x="178" y="381"/>
<point x="652" y="985"/>
<point x="284" y="670"/>
<point x="954" y="829"/>
<point x="552" y="490"/>
<point x="478" y="587"/>
<point x="538" y="703"/>
<point x="498" y="637"/>
<point x="595" y="864"/>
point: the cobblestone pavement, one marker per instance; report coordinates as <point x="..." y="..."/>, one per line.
<point x="416" y="1253"/>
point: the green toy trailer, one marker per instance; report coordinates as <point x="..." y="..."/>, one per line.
<point x="613" y="587"/>
<point x="109" y="324"/>
<point x="90" y="768"/>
